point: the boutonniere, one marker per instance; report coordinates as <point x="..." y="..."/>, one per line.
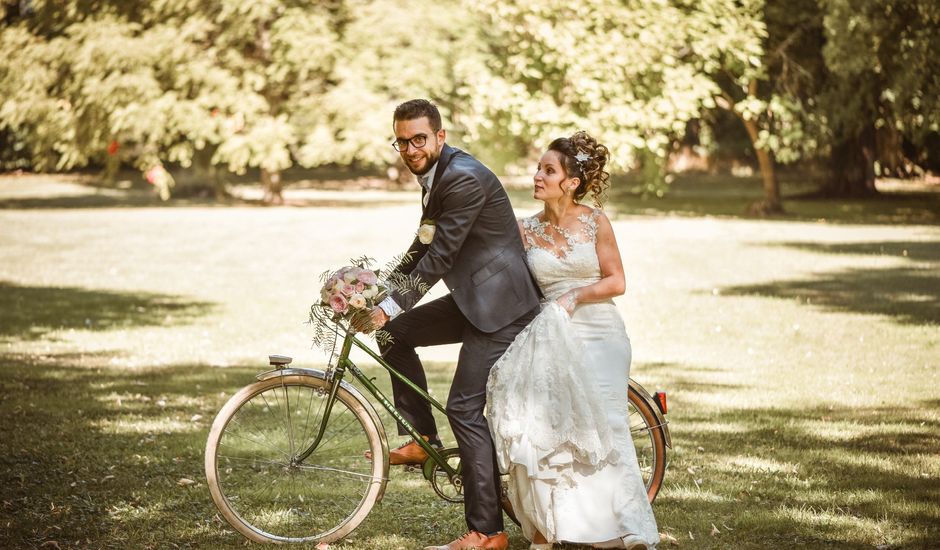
<point x="426" y="231"/>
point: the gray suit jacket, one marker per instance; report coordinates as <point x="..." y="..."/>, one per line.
<point x="476" y="247"/>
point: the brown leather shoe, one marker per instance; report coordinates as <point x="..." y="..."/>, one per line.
<point x="406" y="453"/>
<point x="474" y="540"/>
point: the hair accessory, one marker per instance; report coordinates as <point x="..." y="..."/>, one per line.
<point x="581" y="157"/>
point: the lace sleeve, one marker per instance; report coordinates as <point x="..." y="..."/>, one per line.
<point x="589" y="222"/>
<point x="529" y="227"/>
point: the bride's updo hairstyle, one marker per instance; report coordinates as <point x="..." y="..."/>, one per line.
<point x="584" y="158"/>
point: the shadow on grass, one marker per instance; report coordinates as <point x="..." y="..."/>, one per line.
<point x="726" y="196"/>
<point x="136" y="201"/>
<point x="28" y="312"/>
<point x="909" y="295"/>
<point x="114" y="199"/>
<point x="921" y="251"/>
<point x="812" y="475"/>
<point x="93" y="458"/>
<point x="74" y="470"/>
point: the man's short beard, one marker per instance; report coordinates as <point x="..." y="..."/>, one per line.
<point x="431" y="162"/>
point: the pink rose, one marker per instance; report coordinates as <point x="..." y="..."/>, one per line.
<point x="360" y="287"/>
<point x="348" y="290"/>
<point x="357" y="301"/>
<point x="368" y="277"/>
<point x="339" y="303"/>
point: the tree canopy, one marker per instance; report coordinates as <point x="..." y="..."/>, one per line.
<point x="275" y="83"/>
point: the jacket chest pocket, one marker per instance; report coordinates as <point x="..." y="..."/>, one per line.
<point x="492" y="267"/>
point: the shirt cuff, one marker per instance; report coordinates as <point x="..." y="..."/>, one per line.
<point x="390" y="307"/>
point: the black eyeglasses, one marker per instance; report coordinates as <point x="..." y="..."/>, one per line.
<point x="417" y="142"/>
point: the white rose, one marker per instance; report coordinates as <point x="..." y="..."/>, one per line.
<point x="357" y="301"/>
<point x="368" y="293"/>
<point x="426" y="233"/>
<point x="351" y="275"/>
<point x="338" y="286"/>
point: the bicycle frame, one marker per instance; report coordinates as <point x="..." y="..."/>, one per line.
<point x="336" y="375"/>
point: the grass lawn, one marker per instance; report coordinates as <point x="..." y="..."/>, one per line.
<point x="801" y="360"/>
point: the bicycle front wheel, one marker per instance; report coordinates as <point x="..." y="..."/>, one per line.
<point x="258" y="484"/>
<point x="649" y="442"/>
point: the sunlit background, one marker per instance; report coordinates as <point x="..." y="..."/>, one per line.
<point x="177" y="174"/>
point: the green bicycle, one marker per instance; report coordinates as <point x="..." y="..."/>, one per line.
<point x="284" y="459"/>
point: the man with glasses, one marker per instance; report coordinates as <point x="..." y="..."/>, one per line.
<point x="477" y="250"/>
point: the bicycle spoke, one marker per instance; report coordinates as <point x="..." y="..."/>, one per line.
<point x="311" y="394"/>
<point x="252" y="460"/>
<point x="265" y="428"/>
<point x="337" y="431"/>
<point x="259" y="443"/>
<point x="277" y="499"/>
<point x="356" y="475"/>
<point x="290" y="429"/>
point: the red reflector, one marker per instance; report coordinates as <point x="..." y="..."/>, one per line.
<point x="660" y="398"/>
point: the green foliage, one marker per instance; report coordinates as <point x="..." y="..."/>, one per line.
<point x="272" y="83"/>
<point x="388" y="58"/>
<point x="622" y="71"/>
<point x="882" y="62"/>
<point x="233" y="77"/>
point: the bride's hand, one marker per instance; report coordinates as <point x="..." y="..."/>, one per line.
<point x="568" y="301"/>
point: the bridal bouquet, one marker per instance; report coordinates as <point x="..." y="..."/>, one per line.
<point x="348" y="295"/>
<point x="351" y="291"/>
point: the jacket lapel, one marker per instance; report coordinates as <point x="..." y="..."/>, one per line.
<point x="446" y="154"/>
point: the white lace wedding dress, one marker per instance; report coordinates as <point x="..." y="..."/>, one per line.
<point x="557" y="404"/>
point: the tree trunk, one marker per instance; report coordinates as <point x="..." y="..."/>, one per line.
<point x="852" y="167"/>
<point x="271" y="182"/>
<point x="765" y="159"/>
<point x="207" y="173"/>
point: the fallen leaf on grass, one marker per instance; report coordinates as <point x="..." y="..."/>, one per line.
<point x="322" y="546"/>
<point x="691" y="537"/>
<point x="715" y="530"/>
<point x="185" y="481"/>
<point x="666" y="537"/>
<point x="50" y="544"/>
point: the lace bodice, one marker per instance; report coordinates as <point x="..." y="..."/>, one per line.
<point x="562" y="258"/>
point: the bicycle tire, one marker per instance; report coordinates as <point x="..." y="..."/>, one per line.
<point x="649" y="442"/>
<point x="261" y="492"/>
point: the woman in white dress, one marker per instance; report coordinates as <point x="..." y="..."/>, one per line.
<point x="558" y="397"/>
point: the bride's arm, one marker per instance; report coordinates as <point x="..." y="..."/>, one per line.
<point x="612" y="281"/>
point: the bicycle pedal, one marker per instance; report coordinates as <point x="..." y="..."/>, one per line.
<point x="413" y="468"/>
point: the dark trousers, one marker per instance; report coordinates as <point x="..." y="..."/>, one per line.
<point x="441" y="322"/>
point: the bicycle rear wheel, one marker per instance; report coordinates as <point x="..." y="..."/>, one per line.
<point x="256" y="481"/>
<point x="649" y="442"/>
